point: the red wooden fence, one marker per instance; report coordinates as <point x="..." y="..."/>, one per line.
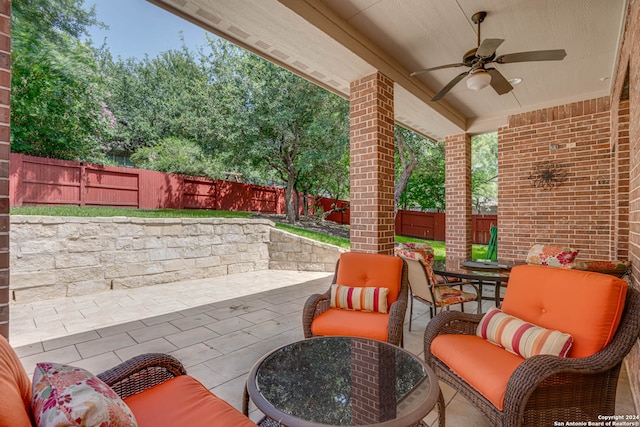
<point x="432" y="225"/>
<point x="42" y="181"/>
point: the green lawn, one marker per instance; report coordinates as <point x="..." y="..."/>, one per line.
<point x="479" y="251"/>
<point x="87" y="211"/>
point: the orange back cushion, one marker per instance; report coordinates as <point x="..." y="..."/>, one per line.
<point x="584" y="304"/>
<point x="15" y="389"/>
<point x="371" y="270"/>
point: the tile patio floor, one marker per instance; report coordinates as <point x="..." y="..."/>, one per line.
<point x="217" y="327"/>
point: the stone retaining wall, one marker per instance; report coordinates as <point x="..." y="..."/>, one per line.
<point x="52" y="257"/>
<point x="290" y="252"/>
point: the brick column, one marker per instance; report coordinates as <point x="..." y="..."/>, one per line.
<point x="5" y="118"/>
<point x="621" y="159"/>
<point x="372" y="124"/>
<point x="373" y="385"/>
<point x="458" y="195"/>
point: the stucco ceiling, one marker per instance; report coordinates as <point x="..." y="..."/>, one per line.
<point x="334" y="42"/>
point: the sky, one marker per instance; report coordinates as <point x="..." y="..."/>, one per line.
<point x="137" y="27"/>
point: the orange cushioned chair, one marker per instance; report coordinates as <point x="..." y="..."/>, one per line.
<point x="155" y="389"/>
<point x="369" y="299"/>
<point x="594" y="320"/>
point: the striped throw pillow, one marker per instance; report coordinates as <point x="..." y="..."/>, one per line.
<point x="357" y="298"/>
<point x="522" y="338"/>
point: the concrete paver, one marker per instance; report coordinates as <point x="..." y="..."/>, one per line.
<point x="217" y="327"/>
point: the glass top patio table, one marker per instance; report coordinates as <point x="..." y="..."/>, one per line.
<point x="495" y="274"/>
<point x="342" y="381"/>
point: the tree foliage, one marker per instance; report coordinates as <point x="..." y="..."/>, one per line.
<point x="426" y="187"/>
<point x="284" y="124"/>
<point x="484" y="171"/>
<point x="56" y="108"/>
<point x="218" y="108"/>
<point x="176" y="155"/>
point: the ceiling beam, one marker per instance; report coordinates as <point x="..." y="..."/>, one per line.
<point x="323" y="18"/>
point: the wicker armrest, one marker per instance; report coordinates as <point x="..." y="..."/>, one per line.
<point x="142" y="372"/>
<point x="397" y="311"/>
<point x="315" y="304"/>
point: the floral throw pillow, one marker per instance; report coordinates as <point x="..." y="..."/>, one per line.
<point x="420" y="250"/>
<point x="64" y="396"/>
<point x="555" y="256"/>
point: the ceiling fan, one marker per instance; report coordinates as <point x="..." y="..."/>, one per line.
<point x="477" y="58"/>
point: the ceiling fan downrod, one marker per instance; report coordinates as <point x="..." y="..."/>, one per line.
<point x="477" y="19"/>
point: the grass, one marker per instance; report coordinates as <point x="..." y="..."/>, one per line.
<point x="314" y="235"/>
<point x="87" y="211"/>
<point x="478" y="251"/>
<point x="439" y="248"/>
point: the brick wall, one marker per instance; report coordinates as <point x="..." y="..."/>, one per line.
<point x="576" y="212"/>
<point x="627" y="129"/>
<point x="5" y="116"/>
<point x="458" y="185"/>
<point x="372" y="156"/>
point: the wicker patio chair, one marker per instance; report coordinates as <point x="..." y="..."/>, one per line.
<point x="361" y="270"/>
<point x="422" y="287"/>
<point x="545" y="388"/>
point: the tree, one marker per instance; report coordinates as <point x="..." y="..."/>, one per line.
<point x="282" y="122"/>
<point x="406" y="147"/>
<point x="56" y="108"/>
<point x="170" y="95"/>
<point x="176" y="155"/>
<point x="426" y="186"/>
<point x="484" y="171"/>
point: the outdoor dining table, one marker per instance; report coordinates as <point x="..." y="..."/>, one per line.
<point x="341" y="381"/>
<point x="494" y="274"/>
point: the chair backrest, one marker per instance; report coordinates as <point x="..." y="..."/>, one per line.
<point x="370" y="270"/>
<point x="584" y="304"/>
<point x="418" y="280"/>
<point x="15" y="389"/>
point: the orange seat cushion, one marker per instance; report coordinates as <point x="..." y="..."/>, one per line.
<point x="336" y="321"/>
<point x="183" y="401"/>
<point x="371" y="270"/>
<point x="15" y="389"/>
<point x="586" y="305"/>
<point x="484" y="366"/>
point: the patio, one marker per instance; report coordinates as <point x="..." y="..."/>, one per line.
<point x="218" y="333"/>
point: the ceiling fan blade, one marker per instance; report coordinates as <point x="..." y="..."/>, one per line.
<point x="498" y="82"/>
<point x="536" y="55"/>
<point x="449" y="86"/>
<point x="415" y="73"/>
<point x="488" y="47"/>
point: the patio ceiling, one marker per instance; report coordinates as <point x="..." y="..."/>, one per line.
<point x="334" y="42"/>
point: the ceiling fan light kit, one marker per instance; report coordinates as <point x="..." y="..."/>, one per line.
<point x="480" y="77"/>
<point x="479" y="80"/>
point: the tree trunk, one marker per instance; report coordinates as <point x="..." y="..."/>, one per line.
<point x="288" y="195"/>
<point x="407" y="169"/>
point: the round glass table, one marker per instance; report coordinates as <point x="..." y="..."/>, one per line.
<point x="342" y="381"/>
<point x="495" y="274"/>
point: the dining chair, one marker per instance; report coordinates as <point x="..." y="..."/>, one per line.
<point x="424" y="287"/>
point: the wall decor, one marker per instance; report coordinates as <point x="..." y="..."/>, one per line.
<point x="547" y="174"/>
